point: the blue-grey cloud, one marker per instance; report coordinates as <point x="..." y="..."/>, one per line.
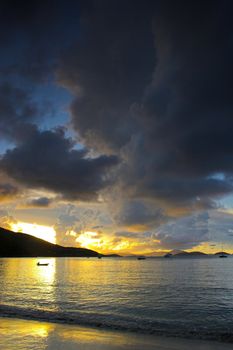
<point x="17" y="111"/>
<point x="135" y="212"/>
<point x="48" y="160"/>
<point x="133" y="235"/>
<point x="41" y="202"/>
<point x="184" y="233"/>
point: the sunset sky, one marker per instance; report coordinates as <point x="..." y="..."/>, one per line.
<point x="116" y="123"/>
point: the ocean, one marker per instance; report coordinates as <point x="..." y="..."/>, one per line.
<point x="187" y="298"/>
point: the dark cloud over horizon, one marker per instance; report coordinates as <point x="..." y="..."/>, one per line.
<point x="47" y="160"/>
<point x="138" y="214"/>
<point x="41" y="202"/>
<point x="151" y="85"/>
<point x="184" y="233"/>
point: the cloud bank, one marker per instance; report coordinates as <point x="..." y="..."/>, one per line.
<point x="149" y="117"/>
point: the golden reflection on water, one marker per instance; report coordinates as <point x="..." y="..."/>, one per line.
<point x="46" y="274"/>
<point x="30" y="284"/>
<point x="99" y="271"/>
<point x="27" y="269"/>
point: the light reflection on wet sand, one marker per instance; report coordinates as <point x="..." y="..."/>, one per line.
<point x="33" y="335"/>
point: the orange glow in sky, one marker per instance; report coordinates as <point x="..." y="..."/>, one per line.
<point x="89" y="239"/>
<point x="40" y="231"/>
<point x="103" y="243"/>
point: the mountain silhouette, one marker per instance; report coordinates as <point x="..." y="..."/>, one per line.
<point x="14" y="244"/>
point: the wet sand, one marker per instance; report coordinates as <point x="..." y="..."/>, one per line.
<point x="27" y="335"/>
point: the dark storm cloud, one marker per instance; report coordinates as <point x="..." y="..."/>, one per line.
<point x="188" y="107"/>
<point x="154" y="82"/>
<point x="17" y="110"/>
<point x="109" y="68"/>
<point x="32" y="34"/>
<point x="47" y="160"/>
<point x="138" y="213"/>
<point x="41" y="202"/>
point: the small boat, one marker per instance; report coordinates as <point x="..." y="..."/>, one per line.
<point x="42" y="264"/>
<point x="223" y="255"/>
<point x="141" y="258"/>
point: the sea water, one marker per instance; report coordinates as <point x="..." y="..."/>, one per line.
<point x="175" y="297"/>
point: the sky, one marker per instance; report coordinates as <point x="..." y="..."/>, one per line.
<point x="116" y="123"/>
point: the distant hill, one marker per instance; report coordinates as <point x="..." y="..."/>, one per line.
<point x="14" y="244"/>
<point x="198" y="254"/>
<point x="184" y="254"/>
<point x="190" y="254"/>
<point x="176" y="251"/>
<point x="222" y="253"/>
<point x="156" y="254"/>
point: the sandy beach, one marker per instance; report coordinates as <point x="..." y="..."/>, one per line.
<point x="28" y="335"/>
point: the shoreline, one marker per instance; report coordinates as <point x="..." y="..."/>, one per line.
<point x="41" y="316"/>
<point x="30" y="334"/>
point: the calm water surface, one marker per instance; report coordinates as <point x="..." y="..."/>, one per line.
<point x="182" y="297"/>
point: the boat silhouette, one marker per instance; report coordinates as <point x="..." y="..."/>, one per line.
<point x="223" y="255"/>
<point x="42" y="264"/>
